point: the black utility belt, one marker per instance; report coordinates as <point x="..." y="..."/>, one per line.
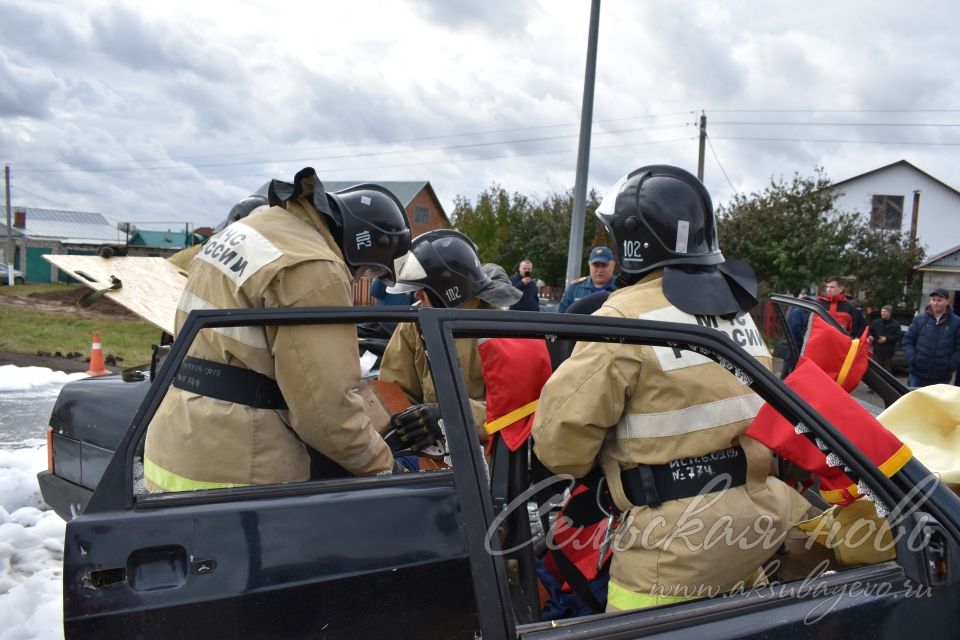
<point x="228" y="383"/>
<point x="653" y="484"/>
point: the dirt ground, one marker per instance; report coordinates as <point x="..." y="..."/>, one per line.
<point x="66" y="302"/>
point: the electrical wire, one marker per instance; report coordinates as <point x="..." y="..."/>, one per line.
<point x="720" y="164"/>
<point x="349" y="145"/>
<point x="22" y="190"/>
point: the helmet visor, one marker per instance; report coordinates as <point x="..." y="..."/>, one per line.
<point x="609" y="202"/>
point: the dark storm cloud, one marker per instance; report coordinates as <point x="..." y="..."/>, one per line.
<point x="497" y="17"/>
<point x="25" y="92"/>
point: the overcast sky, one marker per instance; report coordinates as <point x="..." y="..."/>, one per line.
<point x="172" y="111"/>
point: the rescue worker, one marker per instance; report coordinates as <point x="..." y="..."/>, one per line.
<point x="247" y="402"/>
<point x="242" y="209"/>
<point x="665" y="423"/>
<point x="445" y="271"/>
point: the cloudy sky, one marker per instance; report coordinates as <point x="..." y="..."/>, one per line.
<point x="172" y="111"/>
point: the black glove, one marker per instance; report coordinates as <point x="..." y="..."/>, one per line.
<point x="416" y="428"/>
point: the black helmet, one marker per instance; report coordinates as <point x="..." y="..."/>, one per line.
<point x="246" y="206"/>
<point x="445" y="263"/>
<point x="368" y="221"/>
<point x="660" y="215"/>
<point x="374" y="230"/>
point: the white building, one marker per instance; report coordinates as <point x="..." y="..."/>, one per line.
<point x="901" y="196"/>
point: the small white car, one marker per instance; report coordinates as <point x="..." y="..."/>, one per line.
<point x="18" y="277"/>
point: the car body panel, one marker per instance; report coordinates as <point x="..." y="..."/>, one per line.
<point x="418" y="555"/>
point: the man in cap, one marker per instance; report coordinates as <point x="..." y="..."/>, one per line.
<point x="602" y="266"/>
<point x="932" y="343"/>
<point x="249" y="405"/>
<point x="445" y="271"/>
<point x="648" y="415"/>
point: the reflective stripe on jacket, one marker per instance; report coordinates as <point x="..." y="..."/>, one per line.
<point x="274" y="258"/>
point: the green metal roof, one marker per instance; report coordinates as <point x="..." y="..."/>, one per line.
<point x="165" y="239"/>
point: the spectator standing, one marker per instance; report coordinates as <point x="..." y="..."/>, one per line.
<point x="840" y="308"/>
<point x="884" y="335"/>
<point x="602" y="266"/>
<point x="797" y="320"/>
<point x="382" y="297"/>
<point x="523" y="280"/>
<point x="932" y="343"/>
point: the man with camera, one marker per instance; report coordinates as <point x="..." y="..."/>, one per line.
<point x="524" y="281"/>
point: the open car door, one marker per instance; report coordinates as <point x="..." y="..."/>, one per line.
<point x="338" y="558"/>
<point x="918" y="590"/>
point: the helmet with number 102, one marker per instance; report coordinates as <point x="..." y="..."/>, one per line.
<point x="446" y="264"/>
<point x="660" y="215"/>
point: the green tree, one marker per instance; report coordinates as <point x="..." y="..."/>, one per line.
<point x="790" y="233"/>
<point x="885" y="262"/>
<point x="509" y="228"/>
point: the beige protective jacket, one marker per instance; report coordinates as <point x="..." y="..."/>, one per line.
<point x="275" y="258"/>
<point x="628" y="404"/>
<point x="405" y="362"/>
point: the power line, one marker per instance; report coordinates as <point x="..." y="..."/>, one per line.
<point x="837" y="141"/>
<point x="471" y="145"/>
<point x="764" y="123"/>
<point x="368" y="168"/>
<point x="720" y="164"/>
<point x="22" y="190"/>
<point x="833" y="110"/>
<point x="348" y="145"/>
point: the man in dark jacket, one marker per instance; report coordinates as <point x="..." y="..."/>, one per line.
<point x="523" y="280"/>
<point x="837" y="305"/>
<point x="884" y="335"/>
<point x="932" y="343"/>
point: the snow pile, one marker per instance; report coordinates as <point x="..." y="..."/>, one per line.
<point x="31" y="535"/>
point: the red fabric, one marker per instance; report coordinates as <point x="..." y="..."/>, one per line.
<point x="580" y="545"/>
<point x="828" y="348"/>
<point x="843" y="317"/>
<point x="861" y="428"/>
<point x="514" y="371"/>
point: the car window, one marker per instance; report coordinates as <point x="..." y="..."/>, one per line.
<point x="261" y="405"/>
<point x="553" y="508"/>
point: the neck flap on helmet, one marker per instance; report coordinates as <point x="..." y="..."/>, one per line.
<point x="305" y="182"/>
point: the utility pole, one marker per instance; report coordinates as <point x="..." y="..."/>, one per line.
<point x="703" y="141"/>
<point x="10" y="247"/>
<point x="575" y="249"/>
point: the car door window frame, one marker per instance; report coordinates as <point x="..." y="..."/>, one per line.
<point x="441" y="328"/>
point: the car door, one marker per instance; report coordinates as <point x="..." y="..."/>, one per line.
<point x="880" y="381"/>
<point x="917" y="591"/>
<point x="348" y="557"/>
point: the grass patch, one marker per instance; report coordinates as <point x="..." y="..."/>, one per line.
<point x="33" y="331"/>
<point x="30" y="289"/>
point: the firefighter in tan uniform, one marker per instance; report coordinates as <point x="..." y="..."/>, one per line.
<point x="248" y="401"/>
<point x="182" y="259"/>
<point x="666" y="424"/>
<point x="445" y="271"/>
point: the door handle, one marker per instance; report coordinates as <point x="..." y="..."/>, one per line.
<point x="157" y="568"/>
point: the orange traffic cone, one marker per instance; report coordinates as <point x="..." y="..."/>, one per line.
<point x="96" y="358"/>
